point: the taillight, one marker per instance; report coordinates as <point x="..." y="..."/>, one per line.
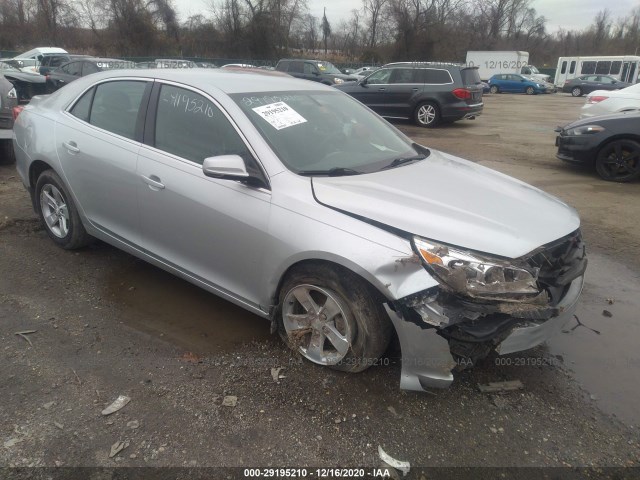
<point x="596" y="99"/>
<point x="462" y="93"/>
<point x="16" y="111"/>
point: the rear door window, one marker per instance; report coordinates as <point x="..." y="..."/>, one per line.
<point x="115" y="106"/>
<point x="402" y="75"/>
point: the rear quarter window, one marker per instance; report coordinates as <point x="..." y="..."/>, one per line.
<point x="282" y="66"/>
<point x="470" y="76"/>
<point x="437" y="76"/>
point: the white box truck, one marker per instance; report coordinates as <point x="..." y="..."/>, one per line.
<point x="491" y="62"/>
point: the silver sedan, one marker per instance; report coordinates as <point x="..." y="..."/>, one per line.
<point x="298" y="203"/>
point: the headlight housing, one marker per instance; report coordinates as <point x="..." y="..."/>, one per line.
<point x="477" y="275"/>
<point x="584" y="130"/>
<point x="338" y="80"/>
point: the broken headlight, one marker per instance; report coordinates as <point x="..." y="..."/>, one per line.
<point x="477" y="275"/>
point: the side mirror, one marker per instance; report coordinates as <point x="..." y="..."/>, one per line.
<point x="363" y="82"/>
<point x="523" y="79"/>
<point x="228" y="167"/>
<point x="316" y="73"/>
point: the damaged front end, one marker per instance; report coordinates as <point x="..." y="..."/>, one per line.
<point x="484" y="304"/>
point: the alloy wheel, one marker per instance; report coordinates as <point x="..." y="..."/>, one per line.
<point x="54" y="210"/>
<point x="316" y="321"/>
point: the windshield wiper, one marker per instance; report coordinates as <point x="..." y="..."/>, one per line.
<point x="332" y="172"/>
<point x="396" y="162"/>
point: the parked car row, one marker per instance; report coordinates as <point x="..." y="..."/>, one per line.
<point x="607" y="135"/>
<point x="517" y="83"/>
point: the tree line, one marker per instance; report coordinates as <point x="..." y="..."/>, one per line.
<point x="379" y="31"/>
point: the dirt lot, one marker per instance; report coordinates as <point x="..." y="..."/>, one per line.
<point x="107" y="324"/>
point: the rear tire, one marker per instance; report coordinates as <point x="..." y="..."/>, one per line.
<point x="332" y="317"/>
<point x="7" y="155"/>
<point x="58" y="213"/>
<point x="576" y="92"/>
<point x="427" y="115"/>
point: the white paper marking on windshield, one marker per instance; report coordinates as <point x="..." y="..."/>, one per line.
<point x="280" y="115"/>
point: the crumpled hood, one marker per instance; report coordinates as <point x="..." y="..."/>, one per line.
<point x="454" y="201"/>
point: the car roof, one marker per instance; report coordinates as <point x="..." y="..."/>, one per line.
<point x="41" y="51"/>
<point x="424" y="64"/>
<point x="229" y="81"/>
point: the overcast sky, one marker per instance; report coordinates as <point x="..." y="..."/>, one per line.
<point x="568" y="14"/>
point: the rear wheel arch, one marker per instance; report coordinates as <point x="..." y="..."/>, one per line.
<point x="35" y="170"/>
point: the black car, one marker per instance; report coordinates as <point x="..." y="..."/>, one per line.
<point x="588" y="83"/>
<point x="611" y="143"/>
<point x="315" y="70"/>
<point x="52" y="61"/>
<point x="81" y="67"/>
<point x="26" y="84"/>
<point x="428" y="93"/>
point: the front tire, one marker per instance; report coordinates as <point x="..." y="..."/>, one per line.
<point x="332" y="317"/>
<point x="427" y="115"/>
<point x="529" y="91"/>
<point x="576" y="92"/>
<point x="494" y="89"/>
<point x="58" y="213"/>
<point x="619" y="161"/>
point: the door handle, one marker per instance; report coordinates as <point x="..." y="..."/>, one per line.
<point x="71" y="146"/>
<point x="154" y="182"/>
<point x="381" y="89"/>
<point x="415" y="89"/>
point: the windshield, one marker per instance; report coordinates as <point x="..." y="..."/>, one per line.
<point x="533" y="69"/>
<point x="327" y="67"/>
<point x="325" y="133"/>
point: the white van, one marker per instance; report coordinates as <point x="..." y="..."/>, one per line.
<point x="30" y="61"/>
<point x="621" y="67"/>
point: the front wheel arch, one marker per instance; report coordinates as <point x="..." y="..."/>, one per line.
<point x="369" y="323"/>
<point x="631" y="142"/>
<point x="318" y="262"/>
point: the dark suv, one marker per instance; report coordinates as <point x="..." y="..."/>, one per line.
<point x="428" y="93"/>
<point x="315" y="70"/>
